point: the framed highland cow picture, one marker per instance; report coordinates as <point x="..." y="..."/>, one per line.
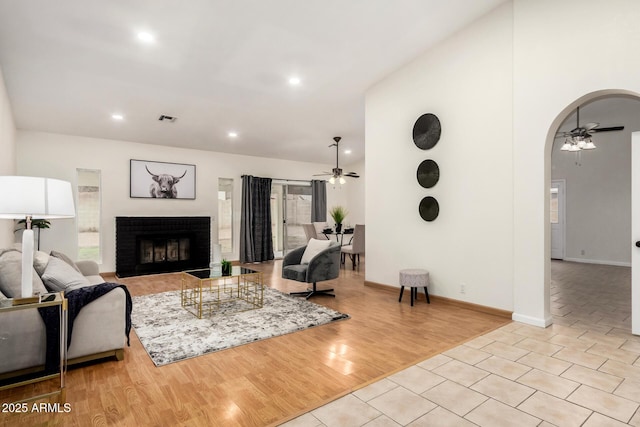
<point x="162" y="180"/>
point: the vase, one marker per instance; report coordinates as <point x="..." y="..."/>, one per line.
<point x="226" y="269"/>
<point x="338" y="228"/>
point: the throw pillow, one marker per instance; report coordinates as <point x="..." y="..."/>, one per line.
<point x="60" y="276"/>
<point x="40" y="261"/>
<point x="66" y="259"/>
<point x="314" y="247"/>
<point x="11" y="275"/>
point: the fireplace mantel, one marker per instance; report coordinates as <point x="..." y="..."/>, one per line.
<point x="150" y="245"/>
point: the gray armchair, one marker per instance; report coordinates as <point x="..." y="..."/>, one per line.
<point x="324" y="266"/>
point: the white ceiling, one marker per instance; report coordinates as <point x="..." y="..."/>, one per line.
<point x="215" y="65"/>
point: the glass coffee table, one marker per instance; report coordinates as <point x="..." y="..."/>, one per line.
<point x="205" y="292"/>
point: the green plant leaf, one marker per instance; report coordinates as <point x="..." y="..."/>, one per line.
<point x="338" y="213"/>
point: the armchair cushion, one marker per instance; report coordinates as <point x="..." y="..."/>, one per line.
<point x="314" y="247"/>
<point x="295" y="272"/>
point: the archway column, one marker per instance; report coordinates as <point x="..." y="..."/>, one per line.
<point x="531" y="255"/>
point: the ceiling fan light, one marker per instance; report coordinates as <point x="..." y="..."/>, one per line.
<point x="589" y="145"/>
<point x="342" y="180"/>
<point x="574" y="148"/>
<point x="566" y="146"/>
<point x="332" y="180"/>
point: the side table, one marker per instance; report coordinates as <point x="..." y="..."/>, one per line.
<point x="7" y="306"/>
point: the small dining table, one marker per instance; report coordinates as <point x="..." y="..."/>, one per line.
<point x="339" y="235"/>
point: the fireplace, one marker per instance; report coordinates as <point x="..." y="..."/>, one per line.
<point x="149" y="245"/>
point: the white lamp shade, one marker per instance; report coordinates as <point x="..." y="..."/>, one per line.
<point x="35" y="196"/>
<point x="565" y="147"/>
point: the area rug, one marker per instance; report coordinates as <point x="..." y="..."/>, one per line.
<point x="170" y="333"/>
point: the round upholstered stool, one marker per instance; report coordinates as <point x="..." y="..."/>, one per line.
<point x="414" y="278"/>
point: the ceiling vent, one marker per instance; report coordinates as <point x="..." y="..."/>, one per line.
<point x="165" y="118"/>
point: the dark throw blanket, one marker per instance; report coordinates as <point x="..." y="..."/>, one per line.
<point x="76" y="299"/>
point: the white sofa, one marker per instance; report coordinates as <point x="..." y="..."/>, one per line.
<point x="98" y="330"/>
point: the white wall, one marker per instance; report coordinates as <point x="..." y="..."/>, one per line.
<point x="58" y="156"/>
<point x="7" y="157"/>
<point x="501" y="88"/>
<point x="548" y="83"/>
<point x="467" y="82"/>
<point x="356" y="193"/>
<point x="598" y="185"/>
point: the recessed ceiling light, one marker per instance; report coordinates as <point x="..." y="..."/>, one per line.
<point x="347" y="151"/>
<point x="117" y="117"/>
<point x="146" y="37"/>
<point x="294" y="81"/>
<point x="232" y="134"/>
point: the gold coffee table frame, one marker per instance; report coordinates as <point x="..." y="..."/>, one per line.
<point x="203" y="292"/>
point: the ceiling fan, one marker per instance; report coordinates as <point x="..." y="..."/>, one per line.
<point x="579" y="138"/>
<point x="336" y="173"/>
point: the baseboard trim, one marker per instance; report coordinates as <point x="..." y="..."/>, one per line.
<point x="597" y="261"/>
<point x="462" y="304"/>
<point x="533" y="321"/>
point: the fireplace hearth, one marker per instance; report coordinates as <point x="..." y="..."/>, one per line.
<point x="149" y="245"/>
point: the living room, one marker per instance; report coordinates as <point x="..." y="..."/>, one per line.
<point x="500" y="86"/>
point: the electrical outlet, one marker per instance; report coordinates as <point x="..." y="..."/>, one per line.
<point x="463" y="288"/>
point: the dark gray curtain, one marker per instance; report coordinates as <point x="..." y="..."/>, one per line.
<point x="256" y="244"/>
<point x="318" y="200"/>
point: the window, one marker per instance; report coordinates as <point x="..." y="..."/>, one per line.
<point x="88" y="214"/>
<point x="225" y="214"/>
<point x="290" y="208"/>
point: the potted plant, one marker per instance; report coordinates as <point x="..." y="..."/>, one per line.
<point x="35" y="223"/>
<point x="338" y="213"/>
<point x="226" y="267"/>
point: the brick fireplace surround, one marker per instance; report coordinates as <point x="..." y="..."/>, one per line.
<point x="149" y="245"/>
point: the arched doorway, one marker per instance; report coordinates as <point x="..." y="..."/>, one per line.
<point x="605" y="99"/>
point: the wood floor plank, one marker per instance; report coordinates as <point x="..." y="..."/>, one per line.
<point x="268" y="381"/>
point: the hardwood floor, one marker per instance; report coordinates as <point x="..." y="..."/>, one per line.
<point x="270" y="381"/>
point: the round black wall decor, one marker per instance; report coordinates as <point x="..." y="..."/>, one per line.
<point x="429" y="208"/>
<point x="426" y="131"/>
<point x="428" y="173"/>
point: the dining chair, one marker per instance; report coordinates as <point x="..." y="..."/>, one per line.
<point x="320" y="226"/>
<point x="309" y="231"/>
<point x="355" y="248"/>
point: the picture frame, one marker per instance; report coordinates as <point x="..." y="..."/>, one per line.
<point x="161" y="180"/>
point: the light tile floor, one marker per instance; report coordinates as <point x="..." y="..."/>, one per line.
<point x="584" y="370"/>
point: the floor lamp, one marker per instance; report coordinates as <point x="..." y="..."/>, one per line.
<point x="27" y="197"/>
